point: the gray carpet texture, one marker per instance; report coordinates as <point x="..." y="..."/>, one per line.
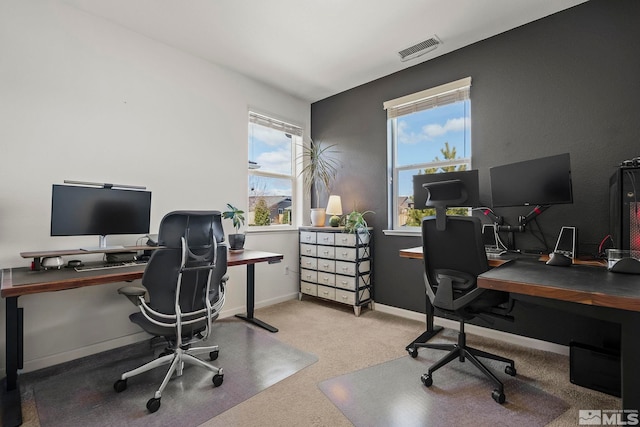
<point x="80" y="393"/>
<point x="392" y="394"/>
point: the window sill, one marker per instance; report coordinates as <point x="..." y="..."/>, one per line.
<point x="410" y="233"/>
<point x="271" y="229"/>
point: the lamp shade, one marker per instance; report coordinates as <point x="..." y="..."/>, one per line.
<point x="334" y="207"/>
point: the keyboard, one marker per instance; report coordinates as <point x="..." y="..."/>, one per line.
<point x="109" y="265"/>
<point x="494" y="251"/>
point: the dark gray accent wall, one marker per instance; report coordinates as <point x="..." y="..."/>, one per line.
<point x="566" y="83"/>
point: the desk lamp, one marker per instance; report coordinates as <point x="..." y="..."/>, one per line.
<point x="334" y="208"/>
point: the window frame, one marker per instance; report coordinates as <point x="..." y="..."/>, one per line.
<point x="420" y="101"/>
<point x="278" y="124"/>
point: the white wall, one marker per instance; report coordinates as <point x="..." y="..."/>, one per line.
<point x="83" y="99"/>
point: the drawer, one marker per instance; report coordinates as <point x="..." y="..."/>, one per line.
<point x="309" y="263"/>
<point x="326" y="279"/>
<point x="308" y="237"/>
<point x="349" y="297"/>
<point x="349" y="254"/>
<point x="349" y="282"/>
<point x="327" y="265"/>
<point x="344" y="239"/>
<point x="309" y="288"/>
<point x="349" y="268"/>
<point x="326" y="239"/>
<point x="345" y="297"/>
<point x="326" y="292"/>
<point x="308" y="275"/>
<point x="326" y="252"/>
<point x="308" y="250"/>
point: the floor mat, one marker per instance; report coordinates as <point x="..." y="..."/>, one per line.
<point x="392" y="394"/>
<point x="81" y="392"/>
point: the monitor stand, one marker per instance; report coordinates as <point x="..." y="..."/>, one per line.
<point x="102" y="246"/>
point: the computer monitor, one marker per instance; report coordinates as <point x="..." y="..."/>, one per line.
<point x="90" y="211"/>
<point x="543" y="181"/>
<point x="468" y="178"/>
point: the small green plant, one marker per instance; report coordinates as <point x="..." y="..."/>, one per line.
<point x="235" y="215"/>
<point x="356" y="223"/>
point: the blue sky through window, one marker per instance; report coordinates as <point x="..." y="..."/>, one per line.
<point x="422" y="135"/>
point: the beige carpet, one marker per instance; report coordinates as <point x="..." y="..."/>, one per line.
<point x="345" y="343"/>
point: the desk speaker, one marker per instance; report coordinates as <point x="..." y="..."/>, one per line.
<point x="567" y="243"/>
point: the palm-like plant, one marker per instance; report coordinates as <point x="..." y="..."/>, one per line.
<point x="235" y="215"/>
<point x="319" y="167"/>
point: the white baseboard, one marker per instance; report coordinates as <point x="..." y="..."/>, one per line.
<point x="43" y="362"/>
<point x="479" y="330"/>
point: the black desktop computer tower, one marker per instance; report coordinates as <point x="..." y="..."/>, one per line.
<point x="624" y="215"/>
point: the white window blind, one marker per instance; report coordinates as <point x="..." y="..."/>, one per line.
<point x="429" y="98"/>
<point x="274" y="124"/>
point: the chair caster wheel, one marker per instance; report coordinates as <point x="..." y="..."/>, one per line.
<point x="498" y="396"/>
<point x="120" y="386"/>
<point x="153" y="404"/>
<point x="214" y="355"/>
<point x="426" y="380"/>
<point x="510" y="370"/>
<point x="413" y="352"/>
<point x="217" y="380"/>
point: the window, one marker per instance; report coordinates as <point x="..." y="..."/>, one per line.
<point x="428" y="132"/>
<point x="272" y="147"/>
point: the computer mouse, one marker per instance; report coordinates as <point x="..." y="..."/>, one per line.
<point x="558" y="259"/>
<point x="74" y="263"/>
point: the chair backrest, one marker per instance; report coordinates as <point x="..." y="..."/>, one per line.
<point x="203" y="235"/>
<point x="457" y="251"/>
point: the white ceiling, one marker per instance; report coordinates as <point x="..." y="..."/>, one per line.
<point x="317" y="48"/>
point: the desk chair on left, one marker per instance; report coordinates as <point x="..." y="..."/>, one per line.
<point x="185" y="282"/>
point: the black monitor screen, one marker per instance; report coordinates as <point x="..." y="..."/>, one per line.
<point x="469" y="180"/>
<point x="82" y="211"/>
<point x="544" y="181"/>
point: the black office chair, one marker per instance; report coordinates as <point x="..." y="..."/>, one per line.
<point x="185" y="281"/>
<point x="454" y="256"/>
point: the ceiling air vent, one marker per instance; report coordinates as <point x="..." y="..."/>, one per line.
<point x="419" y="49"/>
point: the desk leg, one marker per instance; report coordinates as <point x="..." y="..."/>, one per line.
<point x="630" y="371"/>
<point x="431" y="331"/>
<point x="12" y="406"/>
<point x="251" y="287"/>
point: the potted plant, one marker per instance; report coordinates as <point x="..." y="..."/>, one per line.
<point x="356" y="223"/>
<point x="319" y="169"/>
<point x="236" y="241"/>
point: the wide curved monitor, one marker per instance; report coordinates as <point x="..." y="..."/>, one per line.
<point x="94" y="211"/>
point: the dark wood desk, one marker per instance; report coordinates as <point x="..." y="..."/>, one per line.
<point x="613" y="297"/>
<point x="16" y="282"/>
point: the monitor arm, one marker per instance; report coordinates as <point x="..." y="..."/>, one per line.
<point x="537" y="210"/>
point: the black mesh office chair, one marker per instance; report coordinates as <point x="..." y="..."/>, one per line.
<point x="185" y="281"/>
<point x="454" y="256"/>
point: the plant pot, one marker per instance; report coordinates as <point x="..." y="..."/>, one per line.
<point x="318" y="217"/>
<point x="236" y="242"/>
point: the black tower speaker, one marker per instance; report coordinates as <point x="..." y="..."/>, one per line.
<point x="624" y="218"/>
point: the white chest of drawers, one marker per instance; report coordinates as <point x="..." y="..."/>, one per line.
<point x="337" y="266"/>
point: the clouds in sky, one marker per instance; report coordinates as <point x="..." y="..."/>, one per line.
<point x="430" y="131"/>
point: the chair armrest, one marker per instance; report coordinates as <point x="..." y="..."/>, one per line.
<point x="133" y="293"/>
